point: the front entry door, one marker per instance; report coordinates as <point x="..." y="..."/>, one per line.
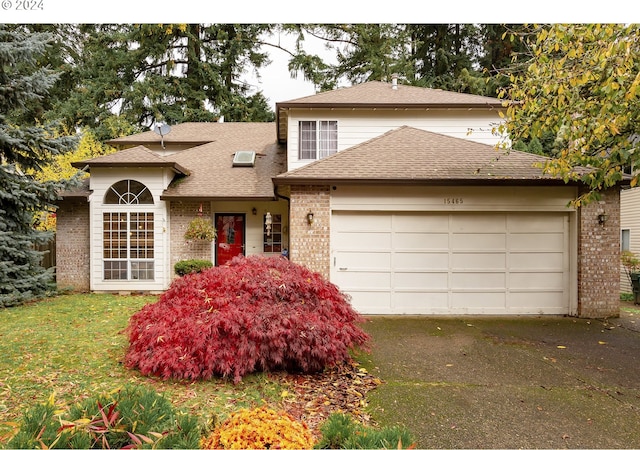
<point x="230" y="237"/>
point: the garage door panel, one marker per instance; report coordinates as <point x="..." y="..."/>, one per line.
<point x="531" y="223"/>
<point x="539" y="281"/>
<point x="437" y="223"/>
<point x="434" y="241"/>
<point x="364" y="240"/>
<point x="477" y="300"/>
<point x="421" y="280"/>
<point x="478" y="280"/>
<point x="536" y="241"/>
<point x="352" y="280"/>
<point x="478" y="241"/>
<point x="544" y="301"/>
<point x="493" y="223"/>
<point x="366" y="261"/>
<point x="371" y="302"/>
<point x="533" y="261"/>
<point x="420" y="260"/>
<point x="478" y="261"/>
<point x="420" y="302"/>
<point x="359" y="222"/>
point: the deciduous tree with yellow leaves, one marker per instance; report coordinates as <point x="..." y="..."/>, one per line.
<point x="582" y="85"/>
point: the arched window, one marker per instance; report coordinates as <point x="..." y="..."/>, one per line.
<point x="128" y="237"/>
<point x="128" y="192"/>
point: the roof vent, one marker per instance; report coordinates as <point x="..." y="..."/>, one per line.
<point x="394" y="81"/>
<point x="244" y="158"/>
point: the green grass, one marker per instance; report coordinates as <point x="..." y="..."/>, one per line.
<point x="73" y="346"/>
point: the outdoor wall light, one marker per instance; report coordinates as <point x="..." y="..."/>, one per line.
<point x="254" y="211"/>
<point x="602" y="218"/>
<point x="310" y="217"/>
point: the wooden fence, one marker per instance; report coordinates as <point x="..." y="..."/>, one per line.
<point x="49" y="257"/>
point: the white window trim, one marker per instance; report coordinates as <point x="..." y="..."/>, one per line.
<point x="325" y="144"/>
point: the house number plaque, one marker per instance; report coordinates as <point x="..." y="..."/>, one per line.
<point x="453" y="201"/>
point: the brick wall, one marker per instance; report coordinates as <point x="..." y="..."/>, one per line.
<point x="599" y="258"/>
<point x="309" y="243"/>
<point x="72" y="245"/>
<point x="180" y="214"/>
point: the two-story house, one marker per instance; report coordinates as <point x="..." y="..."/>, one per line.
<point x="397" y="194"/>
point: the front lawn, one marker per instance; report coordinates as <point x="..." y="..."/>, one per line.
<point x="73" y="347"/>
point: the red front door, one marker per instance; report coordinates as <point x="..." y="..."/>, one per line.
<point x="230" y="237"/>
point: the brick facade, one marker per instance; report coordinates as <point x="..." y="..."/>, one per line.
<point x="72" y="245"/>
<point x="180" y="214"/>
<point x="309" y="243"/>
<point x="599" y="257"/>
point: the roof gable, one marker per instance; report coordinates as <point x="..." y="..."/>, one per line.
<point x="410" y="155"/>
<point x="139" y="156"/>
<point x="194" y="133"/>
<point x="381" y="95"/>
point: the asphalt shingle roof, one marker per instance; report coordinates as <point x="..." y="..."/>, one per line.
<point x="188" y="132"/>
<point x="207" y="166"/>
<point x="411" y="155"/>
<point x="212" y="173"/>
<point x="377" y="93"/>
<point x="135" y="156"/>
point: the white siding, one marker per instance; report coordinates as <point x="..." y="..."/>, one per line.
<point x="355" y="127"/>
<point x="630" y="220"/>
<point x="156" y="180"/>
<point x="453" y="198"/>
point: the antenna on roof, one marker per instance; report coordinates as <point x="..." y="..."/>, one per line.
<point x="162" y="129"/>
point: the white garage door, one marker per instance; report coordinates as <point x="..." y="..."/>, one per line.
<point x="452" y="263"/>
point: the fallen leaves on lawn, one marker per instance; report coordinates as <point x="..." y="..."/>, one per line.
<point x="341" y="389"/>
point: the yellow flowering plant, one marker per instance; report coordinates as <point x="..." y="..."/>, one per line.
<point x="259" y="428"/>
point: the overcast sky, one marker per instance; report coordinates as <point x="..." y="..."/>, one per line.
<point x="276" y="82"/>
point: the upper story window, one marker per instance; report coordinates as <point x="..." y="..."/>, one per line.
<point x="128" y="192"/>
<point x="318" y="138"/>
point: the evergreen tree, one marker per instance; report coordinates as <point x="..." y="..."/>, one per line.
<point x="25" y="147"/>
<point x="172" y="73"/>
<point x="456" y="57"/>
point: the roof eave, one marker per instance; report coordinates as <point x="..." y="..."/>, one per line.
<point x="126" y="142"/>
<point x="174" y="166"/>
<point x="285" y="181"/>
<point x="213" y="198"/>
<point x="383" y="105"/>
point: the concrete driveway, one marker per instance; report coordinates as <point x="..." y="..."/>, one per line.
<point x="509" y="382"/>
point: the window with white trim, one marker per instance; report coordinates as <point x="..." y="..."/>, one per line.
<point x="317" y="138"/>
<point x="128" y="236"/>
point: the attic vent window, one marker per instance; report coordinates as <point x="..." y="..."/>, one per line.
<point x="244" y="158"/>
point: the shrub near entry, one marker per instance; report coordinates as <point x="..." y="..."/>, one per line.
<point x="191" y="266"/>
<point x="256" y="313"/>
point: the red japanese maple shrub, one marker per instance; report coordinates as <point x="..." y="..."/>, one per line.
<point x="255" y="314"/>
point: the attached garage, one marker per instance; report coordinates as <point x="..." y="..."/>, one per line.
<point x="419" y="223"/>
<point x="453" y="263"/>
